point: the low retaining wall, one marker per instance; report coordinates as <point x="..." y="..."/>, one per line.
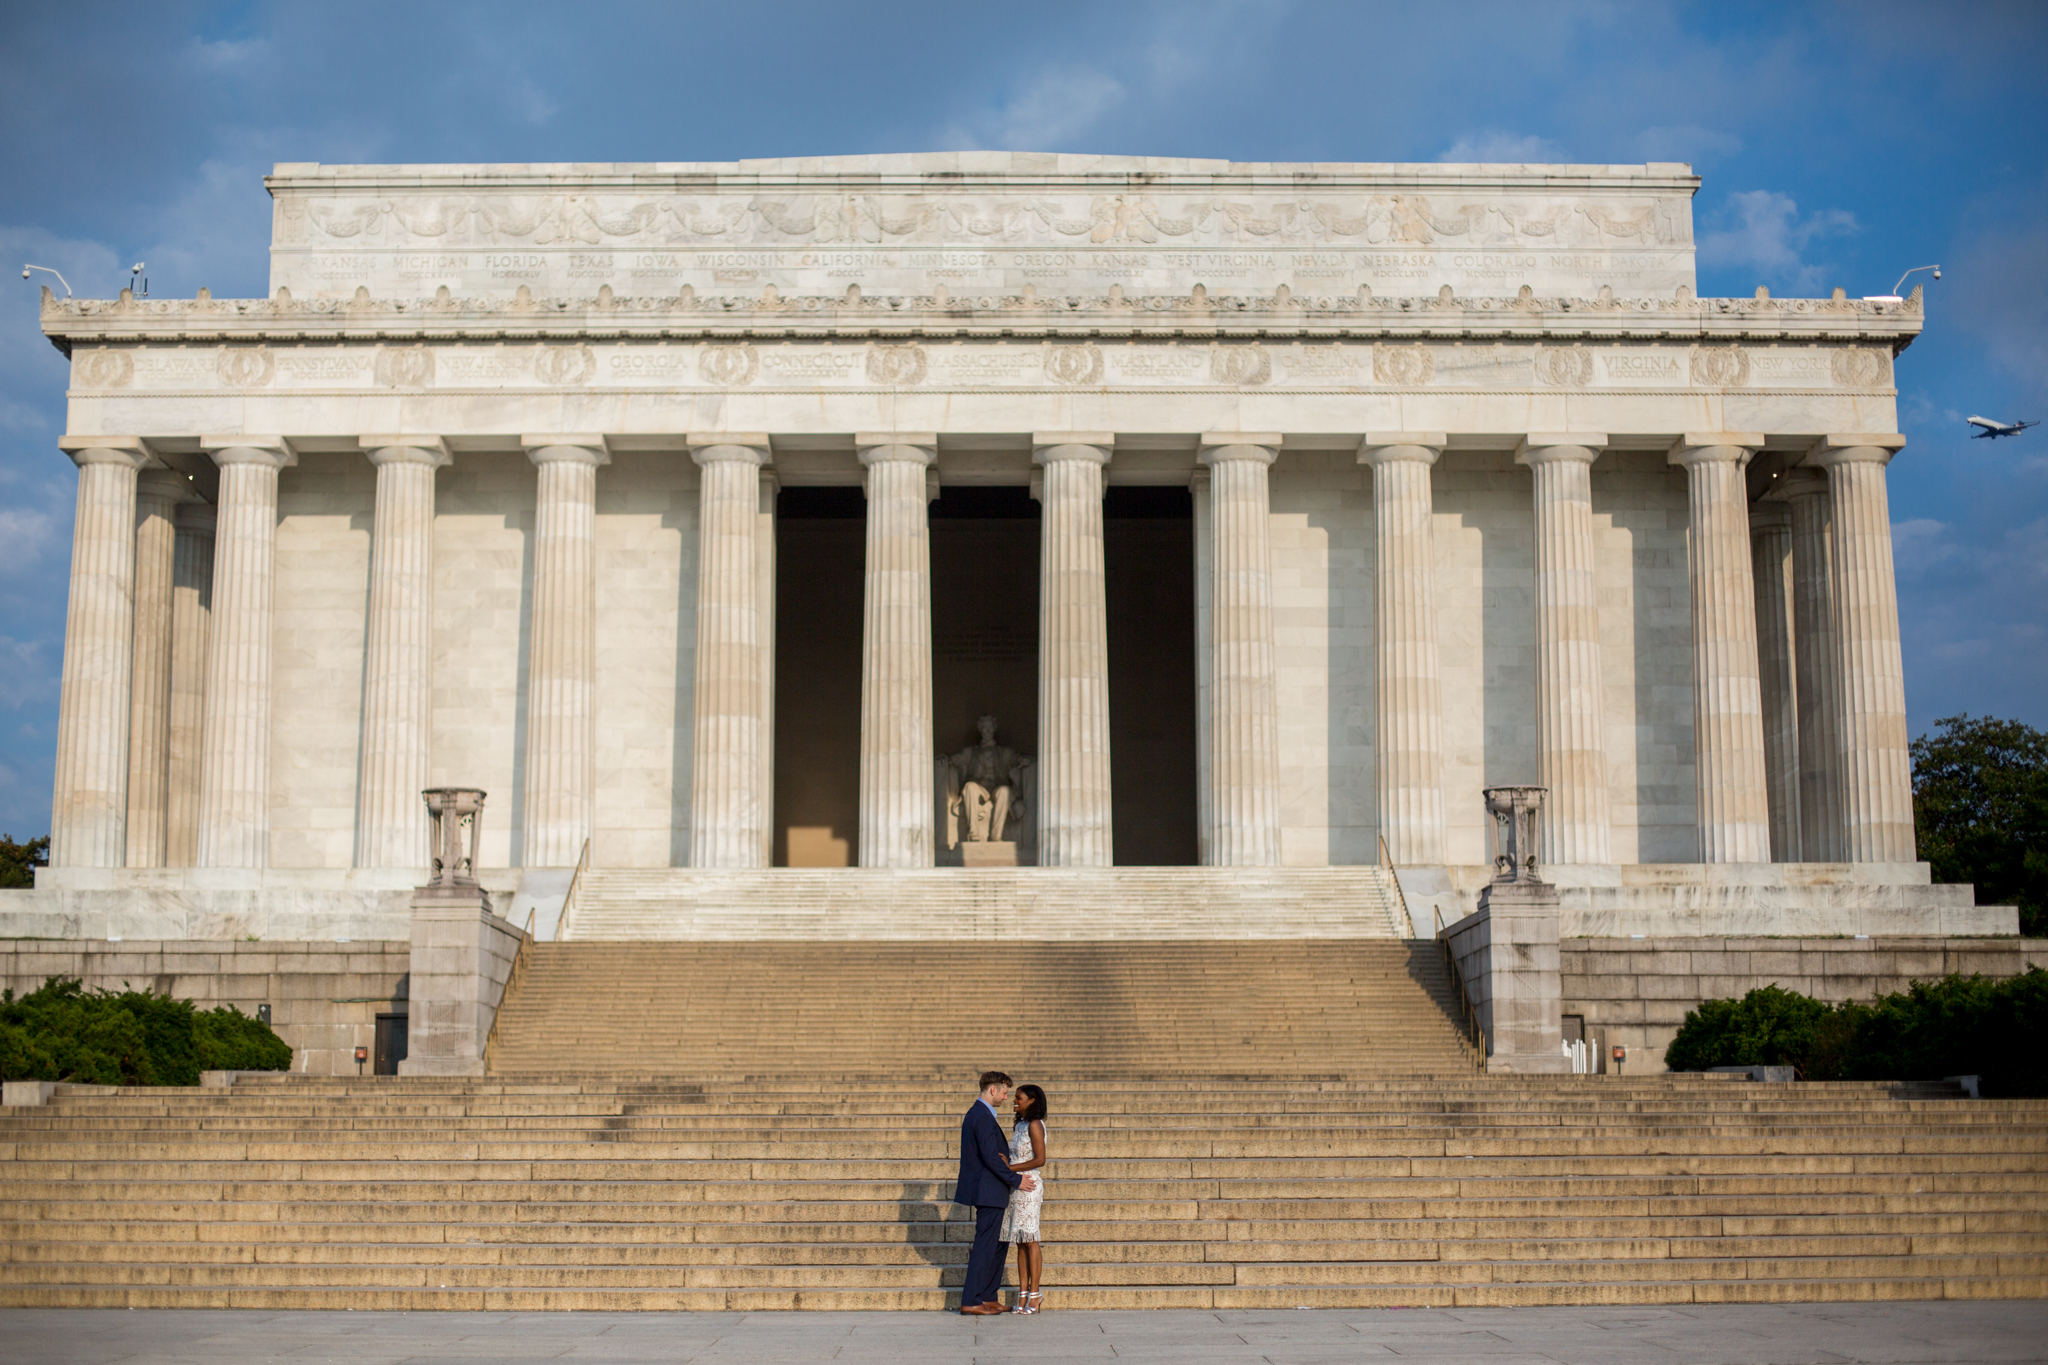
<point x="1635" y="991"/>
<point x="324" y="998"/>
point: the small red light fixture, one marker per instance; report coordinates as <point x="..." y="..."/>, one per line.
<point x="363" y="1055"/>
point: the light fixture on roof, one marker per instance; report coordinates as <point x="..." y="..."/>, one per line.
<point x="1894" y="297"/>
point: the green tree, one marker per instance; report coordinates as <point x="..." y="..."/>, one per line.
<point x="1980" y="808"/>
<point x="19" y="861"/>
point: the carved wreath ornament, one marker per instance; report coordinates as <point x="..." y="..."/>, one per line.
<point x="246" y="367"/>
<point x="102" y="369"/>
<point x="1568" y="367"/>
<point x="729" y="366"/>
<point x="1074" y="364"/>
<point x="565" y="365"/>
<point x="1719" y="366"/>
<point x="896" y="364"/>
<point x="1240" y="365"/>
<point x="405" y="367"/>
<point x="1859" y="367"/>
<point x="1402" y="364"/>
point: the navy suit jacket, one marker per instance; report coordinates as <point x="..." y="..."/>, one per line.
<point x="985" y="1175"/>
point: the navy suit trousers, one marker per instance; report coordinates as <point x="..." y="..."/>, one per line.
<point x="985" y="1263"/>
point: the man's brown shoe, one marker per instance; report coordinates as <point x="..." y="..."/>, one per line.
<point x="982" y="1310"/>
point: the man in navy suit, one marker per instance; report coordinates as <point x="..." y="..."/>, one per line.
<point x="984" y="1185"/>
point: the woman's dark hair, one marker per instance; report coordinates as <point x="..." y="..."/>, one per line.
<point x="1036" y="1113"/>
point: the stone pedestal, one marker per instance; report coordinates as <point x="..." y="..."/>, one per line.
<point x="462" y="954"/>
<point x="1507" y="950"/>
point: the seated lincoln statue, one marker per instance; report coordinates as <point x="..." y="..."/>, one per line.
<point x="984" y="790"/>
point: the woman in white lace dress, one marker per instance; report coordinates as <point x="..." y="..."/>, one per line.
<point x="1020" y="1219"/>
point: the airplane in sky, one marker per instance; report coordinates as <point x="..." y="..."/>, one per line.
<point x="1992" y="430"/>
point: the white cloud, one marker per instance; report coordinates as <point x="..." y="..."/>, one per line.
<point x="1920" y="544"/>
<point x="26" y="673"/>
<point x="1765" y="231"/>
<point x="1686" y="142"/>
<point x="1045" y="114"/>
<point x="1498" y="147"/>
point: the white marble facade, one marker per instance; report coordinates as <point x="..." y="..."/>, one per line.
<point x="1281" y="338"/>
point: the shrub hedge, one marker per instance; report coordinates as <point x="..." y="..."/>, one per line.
<point x="1957" y="1026"/>
<point x="62" y="1032"/>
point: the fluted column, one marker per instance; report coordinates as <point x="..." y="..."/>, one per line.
<point x="1205" y="657"/>
<point x="1073" y="654"/>
<point x="191" y="619"/>
<point x="1876" y="765"/>
<point x="157" y="495"/>
<point x="896" y="743"/>
<point x="1244" y="693"/>
<point x="764" y="550"/>
<point x="1408" y="681"/>
<point x="89" y="813"/>
<point x="561" y="669"/>
<point x="1805" y="491"/>
<point x="1770" y="551"/>
<point x="1571" y="726"/>
<point x="729" y="807"/>
<point x="234" y="777"/>
<point x="398" y="673"/>
<point x="1728" y="724"/>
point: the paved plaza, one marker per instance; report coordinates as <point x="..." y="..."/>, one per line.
<point x="1771" y="1334"/>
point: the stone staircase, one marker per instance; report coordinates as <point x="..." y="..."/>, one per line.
<point x="823" y="1192"/>
<point x="894" y="1010"/>
<point x="1048" y="904"/>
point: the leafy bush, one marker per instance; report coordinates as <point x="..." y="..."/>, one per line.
<point x="1959" y="1025"/>
<point x="62" y="1032"/>
<point x="18" y="862"/>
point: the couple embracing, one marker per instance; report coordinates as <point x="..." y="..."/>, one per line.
<point x="1004" y="1184"/>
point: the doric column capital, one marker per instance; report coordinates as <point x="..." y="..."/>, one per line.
<point x="576" y="448"/>
<point x="1800" y="481"/>
<point x="1714" y="447"/>
<point x="912" y="447"/>
<point x="1095" y="446"/>
<point x="1855" y="448"/>
<point x="740" y="447"/>
<point x="427" y="450"/>
<point x="1262" y="447"/>
<point x="1387" y="447"/>
<point x="162" y="485"/>
<point x="274" y="451"/>
<point x="1546" y="447"/>
<point x="120" y="450"/>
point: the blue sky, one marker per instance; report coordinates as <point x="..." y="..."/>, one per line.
<point x="1839" y="144"/>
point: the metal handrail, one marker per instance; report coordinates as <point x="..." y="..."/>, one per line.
<point x="569" y="900"/>
<point x="1478" y="1034"/>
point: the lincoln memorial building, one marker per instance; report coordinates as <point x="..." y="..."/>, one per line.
<point x="1146" y="545"/>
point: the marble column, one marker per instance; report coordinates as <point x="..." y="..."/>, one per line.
<point x="234" y="777"/>
<point x="1805" y="491"/>
<point x="1205" y="658"/>
<point x="1073" y="653"/>
<point x="1770" y="555"/>
<point x="398" y="673"/>
<point x="1571" y="727"/>
<point x="896" y="743"/>
<point x="191" y="619"/>
<point x="561" y="671"/>
<point x="157" y="495"/>
<point x="1244" y="692"/>
<point x="764" y="572"/>
<point x="1408" y="681"/>
<point x="89" y="815"/>
<point x="729" y="805"/>
<point x="1876" y="765"/>
<point x="1733" y="804"/>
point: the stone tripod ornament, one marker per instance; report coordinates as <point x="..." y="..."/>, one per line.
<point x="157" y="495"/>
<point x="398" y="677"/>
<point x="1073" y="654"/>
<point x="1734" y="815"/>
<point x="1514" y="837"/>
<point x="1244" y="706"/>
<point x="561" y="688"/>
<point x="1875" y="765"/>
<point x="457" y="817"/>
<point x="729" y="800"/>
<point x="89" y="817"/>
<point x="1571" y="738"/>
<point x="1408" y="758"/>
<point x="234" y="782"/>
<point x="896" y="814"/>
